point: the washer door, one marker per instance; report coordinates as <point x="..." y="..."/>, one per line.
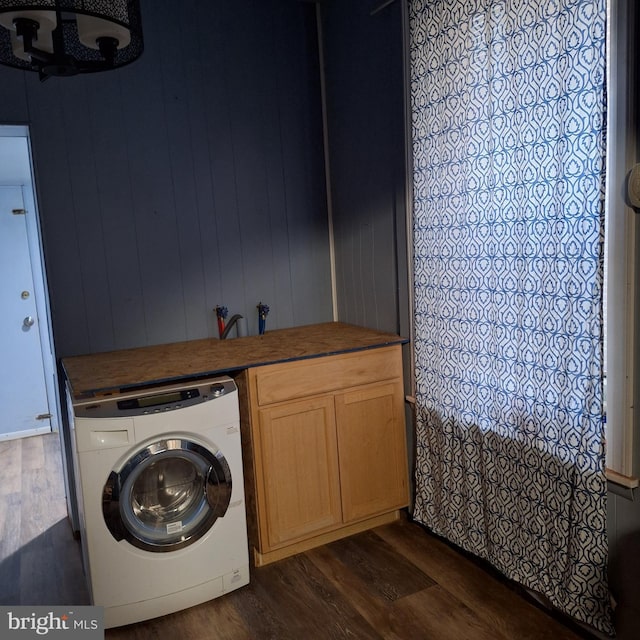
<point x="167" y="495"/>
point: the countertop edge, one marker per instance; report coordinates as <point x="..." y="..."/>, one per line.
<point x="325" y="335"/>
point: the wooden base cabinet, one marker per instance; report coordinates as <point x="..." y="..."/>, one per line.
<point x="301" y="487"/>
<point x="373" y="455"/>
<point x="327" y="449"/>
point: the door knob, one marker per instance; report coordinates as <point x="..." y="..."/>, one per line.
<point x="28" y="322"/>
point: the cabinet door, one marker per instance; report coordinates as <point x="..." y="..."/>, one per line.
<point x="300" y="469"/>
<point x="372" y="445"/>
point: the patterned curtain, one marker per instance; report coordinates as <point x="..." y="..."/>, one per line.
<point x="508" y="142"/>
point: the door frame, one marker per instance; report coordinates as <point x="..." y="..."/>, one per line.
<point x="41" y="291"/>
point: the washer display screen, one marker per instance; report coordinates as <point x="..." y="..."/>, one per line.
<point x="157" y="399"/>
<point x="152" y="401"/>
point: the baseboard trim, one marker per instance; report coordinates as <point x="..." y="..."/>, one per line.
<point x="26" y="433"/>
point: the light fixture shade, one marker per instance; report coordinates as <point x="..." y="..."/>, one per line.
<point x="91" y="29"/>
<point x="67" y="37"/>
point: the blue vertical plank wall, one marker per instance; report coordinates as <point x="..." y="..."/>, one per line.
<point x="365" y="109"/>
<point x="191" y="178"/>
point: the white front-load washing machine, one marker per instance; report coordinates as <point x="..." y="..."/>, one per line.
<point x="160" y="498"/>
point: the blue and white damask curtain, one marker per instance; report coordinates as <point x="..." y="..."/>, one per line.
<point x="508" y="118"/>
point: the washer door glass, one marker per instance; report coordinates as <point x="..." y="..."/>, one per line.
<point x="167" y="495"/>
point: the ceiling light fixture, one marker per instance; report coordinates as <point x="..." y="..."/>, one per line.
<point x="67" y="37"/>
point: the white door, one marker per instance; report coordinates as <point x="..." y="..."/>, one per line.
<point x="24" y="409"/>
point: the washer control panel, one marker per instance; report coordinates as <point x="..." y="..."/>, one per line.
<point x="155" y="400"/>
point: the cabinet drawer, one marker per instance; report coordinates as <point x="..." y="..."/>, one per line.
<point x="286" y="381"/>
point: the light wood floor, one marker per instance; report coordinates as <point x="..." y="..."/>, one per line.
<point x="395" y="582"/>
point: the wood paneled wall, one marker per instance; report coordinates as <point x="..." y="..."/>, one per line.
<point x="365" y="107"/>
<point x="191" y="178"/>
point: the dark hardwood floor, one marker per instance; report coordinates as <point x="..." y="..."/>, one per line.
<point x="395" y="582"/>
<point x="40" y="561"/>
